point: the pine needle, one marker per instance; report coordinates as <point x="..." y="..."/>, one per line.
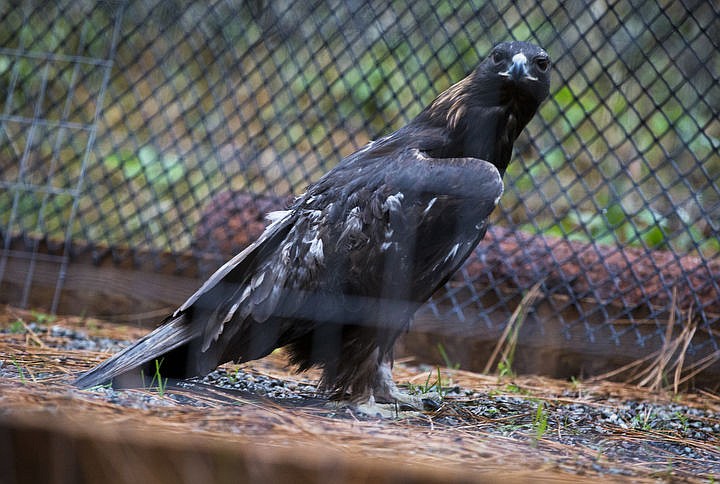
<point x="508" y="339"/>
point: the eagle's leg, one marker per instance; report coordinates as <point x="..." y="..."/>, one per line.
<point x="375" y="393"/>
<point x="385" y="390"/>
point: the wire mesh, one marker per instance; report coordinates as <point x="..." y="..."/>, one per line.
<point x="171" y="126"/>
<point x="54" y="75"/>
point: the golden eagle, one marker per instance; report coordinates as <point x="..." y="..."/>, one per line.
<point x="336" y="278"/>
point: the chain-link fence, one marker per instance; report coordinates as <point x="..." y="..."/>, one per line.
<point x="158" y="126"/>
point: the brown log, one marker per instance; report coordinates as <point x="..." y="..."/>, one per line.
<point x="610" y="274"/>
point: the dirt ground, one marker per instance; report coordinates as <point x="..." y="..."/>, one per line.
<point x="516" y="428"/>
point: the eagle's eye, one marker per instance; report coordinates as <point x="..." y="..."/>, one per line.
<point x="542" y="63"/>
<point x="498" y="57"/>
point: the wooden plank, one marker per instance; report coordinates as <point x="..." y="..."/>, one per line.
<point x="104" y="290"/>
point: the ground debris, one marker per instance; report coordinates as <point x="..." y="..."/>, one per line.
<point x="485" y="422"/>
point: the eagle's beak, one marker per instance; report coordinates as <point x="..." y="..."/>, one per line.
<point x="518" y="69"/>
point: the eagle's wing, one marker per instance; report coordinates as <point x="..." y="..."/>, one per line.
<point x="198" y="315"/>
<point x="365" y="245"/>
<point x="242" y="262"/>
<point x="388" y="226"/>
<point x="443" y="215"/>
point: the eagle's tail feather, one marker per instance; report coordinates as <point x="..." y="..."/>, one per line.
<point x="169" y="341"/>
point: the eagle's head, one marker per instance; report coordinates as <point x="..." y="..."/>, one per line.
<point x="513" y="79"/>
<point x="483" y="114"/>
<point x="513" y="72"/>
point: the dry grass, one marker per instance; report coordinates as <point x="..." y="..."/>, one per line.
<point x="458" y="442"/>
<point x="508" y="340"/>
<point x="653" y="371"/>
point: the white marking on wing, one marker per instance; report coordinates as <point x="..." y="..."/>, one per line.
<point x="257" y="280"/>
<point x="353" y="223"/>
<point x="452" y="253"/>
<point x="418" y="154"/>
<point x="367" y="146"/>
<point x="316" y="250"/>
<point x="285" y="253"/>
<point x="230" y="313"/>
<point x="429" y="205"/>
<point x="276" y="216"/>
<point x="502" y="187"/>
<point x="393" y="202"/>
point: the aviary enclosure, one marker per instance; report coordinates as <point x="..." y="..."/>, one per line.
<point x="142" y="142"/>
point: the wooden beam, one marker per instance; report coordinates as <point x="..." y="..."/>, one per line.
<point x="136" y="289"/>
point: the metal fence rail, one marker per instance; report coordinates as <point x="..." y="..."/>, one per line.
<point x="128" y="124"/>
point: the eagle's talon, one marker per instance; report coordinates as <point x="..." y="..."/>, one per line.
<point x="406" y="407"/>
<point x="431" y="405"/>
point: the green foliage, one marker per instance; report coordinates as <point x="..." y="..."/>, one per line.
<point x="540" y="422"/>
<point x="17" y="327"/>
<point x="430" y="386"/>
<point x="148" y="167"/>
<point x="446" y="358"/>
<point x="683" y="420"/>
<point x="233" y="377"/>
<point x="157" y="382"/>
<point x="43" y="318"/>
<point x="514" y="388"/>
<point x="151" y="180"/>
<point x="504" y="368"/>
<point x="161" y="383"/>
<point x="643" y="420"/>
<point x="19" y="369"/>
<point x="614" y="224"/>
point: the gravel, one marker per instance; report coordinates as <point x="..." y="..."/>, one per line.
<point x="60" y="337"/>
<point x="259" y="385"/>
